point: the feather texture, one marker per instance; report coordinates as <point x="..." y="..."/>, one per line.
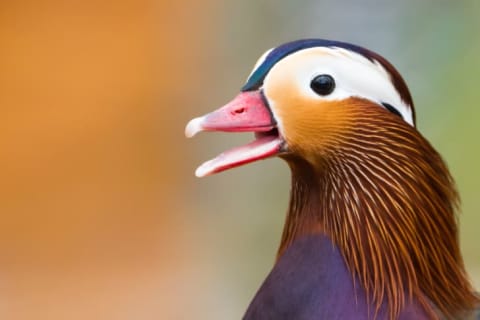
<point x="320" y="287"/>
<point x="386" y="198"/>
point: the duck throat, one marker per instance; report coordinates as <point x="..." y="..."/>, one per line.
<point x="303" y="217"/>
<point x="391" y="212"/>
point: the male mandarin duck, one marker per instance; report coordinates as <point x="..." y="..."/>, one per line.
<point x="371" y="230"/>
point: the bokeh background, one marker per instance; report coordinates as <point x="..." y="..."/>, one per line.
<point x="101" y="215"/>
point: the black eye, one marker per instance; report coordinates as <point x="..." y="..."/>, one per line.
<point x="323" y="84"/>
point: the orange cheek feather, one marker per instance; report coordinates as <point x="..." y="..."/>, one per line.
<point x="312" y="126"/>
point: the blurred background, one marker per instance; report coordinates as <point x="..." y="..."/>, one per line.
<point x="101" y="215"/>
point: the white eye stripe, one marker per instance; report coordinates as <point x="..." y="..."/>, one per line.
<point x="354" y="75"/>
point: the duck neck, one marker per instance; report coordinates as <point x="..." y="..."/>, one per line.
<point x="392" y="216"/>
<point x="303" y="217"/>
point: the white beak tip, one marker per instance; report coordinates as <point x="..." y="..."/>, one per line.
<point x="193" y="127"/>
<point x="203" y="170"/>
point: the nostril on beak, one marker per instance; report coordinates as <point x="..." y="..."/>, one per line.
<point x="239" y="110"/>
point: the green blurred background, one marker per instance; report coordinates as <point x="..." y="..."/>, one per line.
<point x="102" y="216"/>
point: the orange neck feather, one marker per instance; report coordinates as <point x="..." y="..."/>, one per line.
<point x="386" y="198"/>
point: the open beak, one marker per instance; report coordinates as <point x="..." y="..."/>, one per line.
<point x="247" y="112"/>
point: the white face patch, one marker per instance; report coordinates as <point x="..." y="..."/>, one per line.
<point x="354" y="75"/>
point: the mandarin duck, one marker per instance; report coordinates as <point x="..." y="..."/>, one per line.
<point x="371" y="230"/>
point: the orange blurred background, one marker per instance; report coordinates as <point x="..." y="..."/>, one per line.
<point x="89" y="184"/>
<point x="101" y="217"/>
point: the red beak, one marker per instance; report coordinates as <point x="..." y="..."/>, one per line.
<point x="246" y="112"/>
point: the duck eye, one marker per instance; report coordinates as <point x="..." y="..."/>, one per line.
<point x="323" y="84"/>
